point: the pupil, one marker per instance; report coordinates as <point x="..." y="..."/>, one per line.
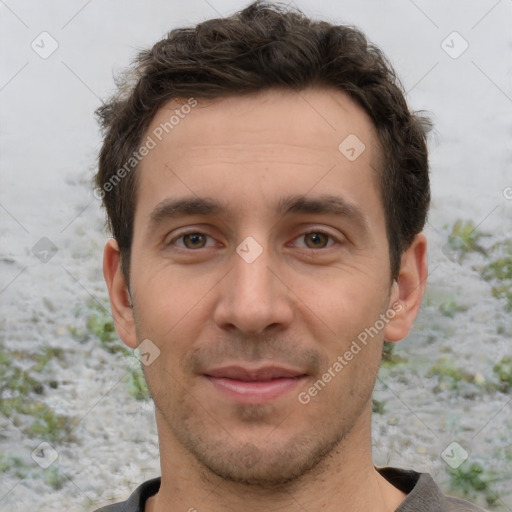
<point x="195" y="238"/>
<point x="316" y="238"/>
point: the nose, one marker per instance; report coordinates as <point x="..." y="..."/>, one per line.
<point x="253" y="296"/>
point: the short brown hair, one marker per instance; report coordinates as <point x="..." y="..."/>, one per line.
<point x="266" y="46"/>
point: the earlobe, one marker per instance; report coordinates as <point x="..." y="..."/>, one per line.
<point x="120" y="299"/>
<point x="408" y="289"/>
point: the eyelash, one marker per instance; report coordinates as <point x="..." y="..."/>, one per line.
<point x="312" y="231"/>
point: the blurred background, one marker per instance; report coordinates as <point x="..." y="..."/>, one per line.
<point x="76" y="421"/>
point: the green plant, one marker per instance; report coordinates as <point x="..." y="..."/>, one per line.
<point x="500" y="269"/>
<point x="504" y="291"/>
<point x="389" y="358"/>
<point x="464" y="238"/>
<point x="378" y="406"/>
<point x="499" y="272"/>
<point x="450" y="307"/>
<point x="54" y="478"/>
<point x="47" y="424"/>
<point x="15" y="380"/>
<point x="101" y="325"/>
<point x="45" y="356"/>
<point x="16" y="385"/>
<point x="136" y="384"/>
<point x="503" y="371"/>
<point x="449" y="376"/>
<point x="18" y="403"/>
<point x="473" y="479"/>
<point x="9" y="463"/>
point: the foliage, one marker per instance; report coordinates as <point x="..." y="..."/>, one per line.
<point x="389" y="358"/>
<point x="465" y="238"/>
<point x="48" y="425"/>
<point x="9" y="463"/>
<point x="499" y="273"/>
<point x="17" y="398"/>
<point x="503" y="371"/>
<point x="101" y="325"/>
<point x="136" y="384"/>
<point x="450" y="307"/>
<point x="473" y="479"/>
<point x="54" y="478"/>
<point x="48" y="353"/>
<point x="449" y="376"/>
<point x="378" y="406"/>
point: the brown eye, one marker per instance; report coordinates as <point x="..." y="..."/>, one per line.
<point x="316" y="240"/>
<point x="194" y="240"/>
<point x="190" y="241"/>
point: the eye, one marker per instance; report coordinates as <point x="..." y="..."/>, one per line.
<point x="316" y="240"/>
<point x="192" y="240"/>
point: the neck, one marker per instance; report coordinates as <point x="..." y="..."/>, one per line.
<point x="346" y="480"/>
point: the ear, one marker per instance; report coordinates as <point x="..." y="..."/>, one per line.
<point x="120" y="300"/>
<point x="407" y="292"/>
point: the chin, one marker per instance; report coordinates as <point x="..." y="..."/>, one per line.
<point x="265" y="464"/>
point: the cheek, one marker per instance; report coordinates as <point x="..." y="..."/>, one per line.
<point x="165" y="296"/>
<point x="171" y="309"/>
<point x="345" y="302"/>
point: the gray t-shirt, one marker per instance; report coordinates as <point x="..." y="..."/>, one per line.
<point x="423" y="495"/>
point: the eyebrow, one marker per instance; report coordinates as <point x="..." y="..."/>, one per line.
<point x="325" y="204"/>
<point x="174" y="208"/>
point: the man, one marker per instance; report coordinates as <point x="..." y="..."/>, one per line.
<point x="266" y="186"/>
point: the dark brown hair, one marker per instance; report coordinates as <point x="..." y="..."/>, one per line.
<point x="261" y="47"/>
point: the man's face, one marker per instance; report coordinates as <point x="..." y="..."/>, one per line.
<point x="246" y="326"/>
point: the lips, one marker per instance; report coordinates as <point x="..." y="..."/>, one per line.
<point x="254" y="385"/>
<point x="250" y="375"/>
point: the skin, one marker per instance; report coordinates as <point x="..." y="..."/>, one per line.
<point x="299" y="304"/>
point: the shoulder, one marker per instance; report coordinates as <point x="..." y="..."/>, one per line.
<point x="460" y="505"/>
<point x="423" y="494"/>
<point x="116" y="507"/>
<point x="427" y="491"/>
<point x="136" y="501"/>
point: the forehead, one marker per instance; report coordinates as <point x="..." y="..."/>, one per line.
<point x="314" y="118"/>
<point x="272" y="141"/>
